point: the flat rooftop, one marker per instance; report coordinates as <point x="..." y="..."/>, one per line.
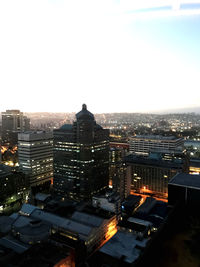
<point x="124" y="244"/>
<point x="139" y="221"/>
<point x="186" y="180"/>
<point x="14" y="244"/>
<point x="155" y="137"/>
<point x="141" y="160"/>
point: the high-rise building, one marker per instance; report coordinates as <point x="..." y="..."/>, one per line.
<point x="35" y="152"/>
<point x="121" y="179"/>
<point x="13" y="121"/>
<point x="144" y="144"/>
<point x="81" y="157"/>
<point x="150" y="175"/>
<point x="118" y="180"/>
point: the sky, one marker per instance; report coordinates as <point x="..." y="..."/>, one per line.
<point x="113" y="55"/>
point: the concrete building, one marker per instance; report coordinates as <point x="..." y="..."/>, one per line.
<point x="130" y="204"/>
<point x="33" y="224"/>
<point x="116" y="155"/>
<point x="110" y="201"/>
<point x="184" y="189"/>
<point x="150" y="175"/>
<point x="81" y="157"/>
<point x="123" y="249"/>
<point x="144" y="144"/>
<point x="13" y="122"/>
<point x="30" y="231"/>
<point x="121" y="179"/>
<point x="35" y="152"/>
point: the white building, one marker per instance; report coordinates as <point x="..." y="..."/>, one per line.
<point x="35" y="151"/>
<point x="143" y="144"/>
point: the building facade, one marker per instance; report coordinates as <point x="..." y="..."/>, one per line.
<point x="144" y="144"/>
<point x="35" y="152"/>
<point x="121" y="179"/>
<point x="13" y="121"/>
<point x="150" y="175"/>
<point x="81" y="157"/>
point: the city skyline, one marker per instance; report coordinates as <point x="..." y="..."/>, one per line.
<point x="112" y="55"/>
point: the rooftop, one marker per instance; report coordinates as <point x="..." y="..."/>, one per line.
<point x="186" y="180"/>
<point x="21" y="221"/>
<point x="84" y="114"/>
<point x="88" y="219"/>
<point x="124" y="244"/>
<point x="155" y="137"/>
<point x="27" y="209"/>
<point x="14" y="244"/>
<point x="41" y="196"/>
<point x="64" y="223"/>
<point x="34" y="135"/>
<point x="138" y="159"/>
<point x="66" y="127"/>
<point x="5" y="224"/>
<point x="139" y="221"/>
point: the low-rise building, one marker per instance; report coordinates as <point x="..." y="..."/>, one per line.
<point x="123" y="249"/>
<point x="110" y="201"/>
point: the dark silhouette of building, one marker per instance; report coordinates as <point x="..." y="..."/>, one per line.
<point x="81" y="157"/>
<point x="14" y="187"/>
<point x="184" y="188"/>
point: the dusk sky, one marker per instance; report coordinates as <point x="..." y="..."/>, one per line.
<point x="115" y="56"/>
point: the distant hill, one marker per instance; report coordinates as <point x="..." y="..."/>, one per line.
<point x="179" y="110"/>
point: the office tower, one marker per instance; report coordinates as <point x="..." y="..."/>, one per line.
<point x="13" y="121"/>
<point x="150" y="175"/>
<point x="116" y="155"/>
<point x="81" y="157"/>
<point x="35" y="152"/>
<point x="144" y="144"/>
<point x="121" y="180"/>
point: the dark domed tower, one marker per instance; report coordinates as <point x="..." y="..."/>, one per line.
<point x="81" y="157"/>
